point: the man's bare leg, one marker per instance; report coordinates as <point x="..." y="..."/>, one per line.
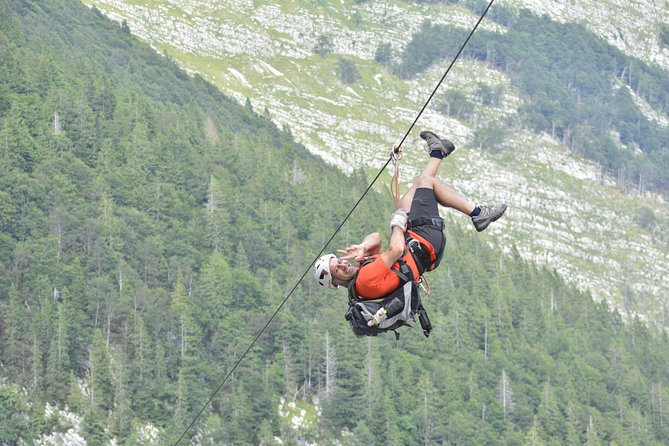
<point x="429" y="171"/>
<point x="438" y="148"/>
<point x="481" y="215"/>
<point x="448" y="197"/>
<point x="445" y="195"/>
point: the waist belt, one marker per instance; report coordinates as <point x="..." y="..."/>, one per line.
<point x="435" y="222"/>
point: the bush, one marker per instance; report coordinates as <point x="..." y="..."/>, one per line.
<point x="664" y="36"/>
<point x="324" y="46"/>
<point x="491" y="136"/>
<point x="647" y="218"/>
<point x="347" y="72"/>
<point x="384" y="54"/>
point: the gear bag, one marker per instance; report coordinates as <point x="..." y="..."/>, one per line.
<point x="401" y="305"/>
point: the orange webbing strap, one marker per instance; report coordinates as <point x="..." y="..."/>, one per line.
<point x="395" y="181"/>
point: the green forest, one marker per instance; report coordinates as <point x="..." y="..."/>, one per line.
<point x="577" y="87"/>
<point x="150" y="226"/>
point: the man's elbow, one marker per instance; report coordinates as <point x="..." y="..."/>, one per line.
<point x="395" y="251"/>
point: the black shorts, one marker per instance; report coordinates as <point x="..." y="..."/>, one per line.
<point x="425" y="204"/>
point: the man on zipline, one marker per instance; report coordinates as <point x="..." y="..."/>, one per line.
<point x="416" y="241"/>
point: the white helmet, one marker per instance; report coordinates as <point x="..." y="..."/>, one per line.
<point x="322" y="271"/>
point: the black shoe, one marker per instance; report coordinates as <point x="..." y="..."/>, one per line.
<point x="488" y="215"/>
<point x="434" y="142"/>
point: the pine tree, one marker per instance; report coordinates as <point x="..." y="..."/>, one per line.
<point x="13" y="411"/>
<point x="533" y="438"/>
<point x="101" y="388"/>
<point x="181" y="418"/>
<point x="505" y="395"/>
<point x="213" y="294"/>
<point x="160" y="391"/>
<point x="101" y="392"/>
<point x="329" y="367"/>
<point x="393" y="433"/>
<point x="217" y="218"/>
<point x="549" y="416"/>
<point x="93" y="427"/>
<point x="58" y="376"/>
<point x="122" y="413"/>
<point x="16" y="340"/>
<point x="425" y="411"/>
<point x="186" y="328"/>
<point x="592" y="439"/>
<point x="240" y="258"/>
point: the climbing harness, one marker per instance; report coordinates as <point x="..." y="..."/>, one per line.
<point x="396" y="157"/>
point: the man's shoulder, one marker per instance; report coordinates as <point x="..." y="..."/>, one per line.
<point x="369" y="266"/>
<point x="368" y="260"/>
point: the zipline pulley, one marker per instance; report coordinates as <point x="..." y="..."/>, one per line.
<point x="396" y="156"/>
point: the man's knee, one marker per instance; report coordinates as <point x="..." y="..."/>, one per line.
<point x="425" y="181"/>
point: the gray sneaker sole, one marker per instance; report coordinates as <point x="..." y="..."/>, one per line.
<point x="483" y="222"/>
<point x="432" y="139"/>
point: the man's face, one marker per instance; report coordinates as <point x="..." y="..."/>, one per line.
<point x="341" y="271"/>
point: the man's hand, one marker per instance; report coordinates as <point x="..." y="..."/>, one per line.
<point x="378" y="317"/>
<point x="399" y="219"/>
<point x="356" y="252"/>
<point x="368" y="247"/>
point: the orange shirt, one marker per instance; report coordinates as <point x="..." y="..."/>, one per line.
<point x="376" y="280"/>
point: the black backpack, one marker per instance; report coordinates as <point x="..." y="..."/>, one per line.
<point x="402" y="305"/>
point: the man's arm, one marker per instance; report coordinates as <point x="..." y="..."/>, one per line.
<point x="395" y="247"/>
<point x="398" y="224"/>
<point x="369" y="246"/>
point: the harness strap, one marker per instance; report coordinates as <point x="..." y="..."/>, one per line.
<point x="422" y="252"/>
<point x="404" y="272"/>
<point x="435" y="222"/>
<point x="419" y="254"/>
<point x="424" y="320"/>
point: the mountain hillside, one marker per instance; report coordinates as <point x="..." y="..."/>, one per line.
<point x="150" y="227"/>
<point x="640" y="29"/>
<point x="589" y="203"/>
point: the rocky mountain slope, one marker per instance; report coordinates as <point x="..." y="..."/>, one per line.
<point x="564" y="212"/>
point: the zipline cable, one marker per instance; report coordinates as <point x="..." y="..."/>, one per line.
<point x="334" y="234"/>
<point x="446" y="73"/>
